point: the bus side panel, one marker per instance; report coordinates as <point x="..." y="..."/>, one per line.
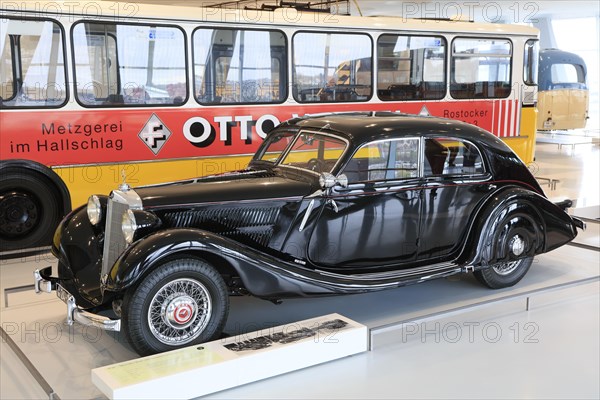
<point x="525" y="145"/>
<point x="562" y="109"/>
<point x="102" y="178"/>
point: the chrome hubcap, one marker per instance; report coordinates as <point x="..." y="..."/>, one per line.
<point x="179" y="311"/>
<point x="517" y="245"/>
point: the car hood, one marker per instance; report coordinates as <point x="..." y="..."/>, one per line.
<point x="236" y="186"/>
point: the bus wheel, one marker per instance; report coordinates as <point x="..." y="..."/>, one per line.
<point x="29" y="210"/>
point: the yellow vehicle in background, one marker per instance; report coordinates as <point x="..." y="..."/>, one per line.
<point x="563" y="96"/>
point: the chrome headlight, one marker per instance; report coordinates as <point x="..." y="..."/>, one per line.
<point x="129" y="226"/>
<point x="94" y="210"/>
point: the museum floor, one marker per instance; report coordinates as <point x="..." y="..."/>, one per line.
<point x="448" y="338"/>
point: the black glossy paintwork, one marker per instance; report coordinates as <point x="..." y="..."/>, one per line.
<point x="78" y="246"/>
<point x="375" y="227"/>
<point x="244" y="186"/>
<point x="368" y="236"/>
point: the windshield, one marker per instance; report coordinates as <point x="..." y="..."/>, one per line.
<point x="274" y="146"/>
<point x="314" y="152"/>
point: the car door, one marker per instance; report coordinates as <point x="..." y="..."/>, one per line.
<point x="455" y="181"/>
<point x="374" y="222"/>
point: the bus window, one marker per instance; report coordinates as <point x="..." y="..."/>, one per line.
<point x="32" y="67"/>
<point x="239" y="66"/>
<point x="411" y="67"/>
<point x="129" y="65"/>
<point x="531" y="62"/>
<point x="332" y="67"/>
<point x="567" y="73"/>
<point x="481" y="68"/>
<point x="7" y="91"/>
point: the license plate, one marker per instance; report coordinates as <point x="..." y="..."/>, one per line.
<point x="62" y="293"/>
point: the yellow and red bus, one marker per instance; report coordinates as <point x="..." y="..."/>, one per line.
<point x="92" y="91"/>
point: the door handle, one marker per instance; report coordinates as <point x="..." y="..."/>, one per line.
<point x="334" y="205"/>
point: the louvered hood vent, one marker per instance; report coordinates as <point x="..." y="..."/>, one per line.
<point x="253" y="224"/>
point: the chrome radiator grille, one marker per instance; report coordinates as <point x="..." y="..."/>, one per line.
<point x="114" y="241"/>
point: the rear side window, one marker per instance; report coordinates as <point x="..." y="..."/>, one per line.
<point x="129" y="65"/>
<point x="384" y="160"/>
<point x="32" y="64"/>
<point x="451" y="157"/>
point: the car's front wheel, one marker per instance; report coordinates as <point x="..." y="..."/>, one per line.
<point x="181" y="303"/>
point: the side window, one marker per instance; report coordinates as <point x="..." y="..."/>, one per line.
<point x="332" y="67"/>
<point x="32" y="67"/>
<point x="239" y="66"/>
<point x="448" y="156"/>
<point x="531" y="58"/>
<point x="8" y="89"/>
<point x="411" y="67"/>
<point x="387" y="160"/>
<point x="129" y="65"/>
<point x="481" y="68"/>
<point x="567" y="73"/>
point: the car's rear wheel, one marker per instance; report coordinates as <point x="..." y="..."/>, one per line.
<point x="504" y="274"/>
<point x="512" y="241"/>
<point x="181" y="303"/>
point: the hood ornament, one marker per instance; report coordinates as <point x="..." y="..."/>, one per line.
<point x="124" y="186"/>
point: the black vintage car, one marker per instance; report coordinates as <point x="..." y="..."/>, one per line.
<point x="330" y="204"/>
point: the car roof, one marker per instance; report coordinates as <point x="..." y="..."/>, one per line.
<point x="365" y="127"/>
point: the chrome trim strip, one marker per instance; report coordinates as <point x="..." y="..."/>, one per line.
<point x="390" y="274"/>
<point x="306" y="215"/>
<point x="202" y="203"/>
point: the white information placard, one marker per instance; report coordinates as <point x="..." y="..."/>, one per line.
<point x="234" y="361"/>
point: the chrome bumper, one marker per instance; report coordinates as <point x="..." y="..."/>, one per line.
<point x="44" y="283"/>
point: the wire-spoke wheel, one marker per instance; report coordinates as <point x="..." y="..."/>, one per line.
<point x="179" y="311"/>
<point x="181" y="302"/>
<point x="504" y="274"/>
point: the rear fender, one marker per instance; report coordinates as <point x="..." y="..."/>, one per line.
<point x="551" y="227"/>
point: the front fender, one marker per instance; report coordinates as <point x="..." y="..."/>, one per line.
<point x="263" y="275"/>
<point x="149" y="251"/>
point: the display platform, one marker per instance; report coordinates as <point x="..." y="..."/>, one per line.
<point x="564" y="138"/>
<point x="64" y="355"/>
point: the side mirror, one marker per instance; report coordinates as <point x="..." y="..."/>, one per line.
<point x="327" y="180"/>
